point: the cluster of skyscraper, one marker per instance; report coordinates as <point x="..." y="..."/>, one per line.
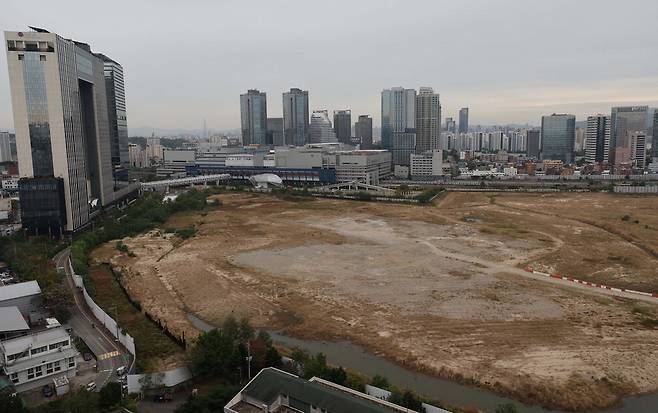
<point x="618" y="139"/>
<point x="411" y="122"/>
<point x="621" y="138"/>
<point x="71" y="131"/>
<point x="297" y="128"/>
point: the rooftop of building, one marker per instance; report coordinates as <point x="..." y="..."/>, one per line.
<point x="24" y="289"/>
<point x="38" y="339"/>
<point x="271" y="382"/>
<point x="12" y="320"/>
<point x="26" y="363"/>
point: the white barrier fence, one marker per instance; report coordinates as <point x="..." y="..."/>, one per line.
<point x="137" y="383"/>
<point x="109" y="323"/>
<point x="648" y="189"/>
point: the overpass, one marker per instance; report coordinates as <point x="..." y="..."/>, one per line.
<point x="167" y="183"/>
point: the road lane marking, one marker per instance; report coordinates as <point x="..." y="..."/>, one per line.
<point x="108" y="355"/>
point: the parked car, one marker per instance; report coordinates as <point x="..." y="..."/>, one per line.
<point x="47" y="391"/>
<point x="87" y="356"/>
<point x="162" y="398"/>
<point x="91" y="386"/>
<point x="121" y="371"/>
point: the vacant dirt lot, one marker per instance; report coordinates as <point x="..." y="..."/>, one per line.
<point x="436" y="288"/>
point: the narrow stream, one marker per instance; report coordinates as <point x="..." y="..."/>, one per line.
<point x="354" y="357"/>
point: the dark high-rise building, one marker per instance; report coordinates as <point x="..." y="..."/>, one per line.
<point x="253" y="116"/>
<point x="343" y="125"/>
<point x="558" y="136"/>
<point x="463" y="120"/>
<point x="532" y="143"/>
<point x="116" y="111"/>
<point x="398" y="114"/>
<point x="597" y="139"/>
<point x="275" y="131"/>
<point x="428" y="120"/>
<point x="295" y="117"/>
<point x="363" y="131"/>
<point x="58" y="89"/>
<point x="451" y="125"/>
<point x="625" y="120"/>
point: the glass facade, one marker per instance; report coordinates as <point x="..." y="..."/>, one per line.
<point x="253" y="117"/>
<point x="116" y="111"/>
<point x="398" y="113"/>
<point x="43" y="209"/>
<point x="558" y="136"/>
<point x="37" y="114"/>
<point x="463" y="120"/>
<point x="295" y="117"/>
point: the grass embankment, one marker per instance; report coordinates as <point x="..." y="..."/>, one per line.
<point x="151" y="340"/>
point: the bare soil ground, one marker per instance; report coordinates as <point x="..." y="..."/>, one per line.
<point x="434" y="288"/>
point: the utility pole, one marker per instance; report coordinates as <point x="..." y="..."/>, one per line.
<point x="248" y="361"/>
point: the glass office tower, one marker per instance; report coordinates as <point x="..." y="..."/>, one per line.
<point x="558" y="136"/>
<point x="398" y="114"/>
<point x="253" y="117"/>
<point x="61" y="120"/>
<point x="295" y="117"/>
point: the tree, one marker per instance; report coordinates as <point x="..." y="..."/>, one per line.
<point x="507" y="408"/>
<point x="213" y="353"/>
<point x="245" y="331"/>
<point x="381" y="382"/>
<point x="82" y="402"/>
<point x="109" y="396"/>
<point x="273" y="358"/>
<point x="11" y="404"/>
<point x="316" y="366"/>
<point x="213" y="402"/>
<point x="337" y="375"/>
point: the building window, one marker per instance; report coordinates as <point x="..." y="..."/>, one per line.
<point x="42" y="57"/>
<point x="14" y="378"/>
<point x="21" y="57"/>
<point x="57" y="367"/>
<point x="30" y="374"/>
<point x="38" y="371"/>
<point x="71" y="362"/>
<point x="39" y="350"/>
<point x="49" y="368"/>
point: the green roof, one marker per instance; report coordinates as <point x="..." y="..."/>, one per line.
<point x="270" y="383"/>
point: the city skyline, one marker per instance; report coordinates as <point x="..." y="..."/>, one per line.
<point x="510" y="78"/>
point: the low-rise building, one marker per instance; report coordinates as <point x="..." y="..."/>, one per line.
<point x="10" y="183"/>
<point x="427" y="164"/>
<point x="367" y="166"/>
<point x="174" y="162"/>
<point x="33" y="360"/>
<point x="25" y="296"/>
<point x="276" y="391"/>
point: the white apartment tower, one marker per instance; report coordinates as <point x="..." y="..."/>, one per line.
<point x="597" y="139"/>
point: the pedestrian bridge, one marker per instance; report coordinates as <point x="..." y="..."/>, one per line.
<point x="201" y="179"/>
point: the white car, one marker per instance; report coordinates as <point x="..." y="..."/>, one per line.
<point x="121" y="371"/>
<point x="91" y="386"/>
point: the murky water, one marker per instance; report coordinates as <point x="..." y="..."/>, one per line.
<point x="356" y="358"/>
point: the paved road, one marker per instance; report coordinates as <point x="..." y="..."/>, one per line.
<point x="109" y="353"/>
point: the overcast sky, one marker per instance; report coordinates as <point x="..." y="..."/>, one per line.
<point x="510" y="61"/>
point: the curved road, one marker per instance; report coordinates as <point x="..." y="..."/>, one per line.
<point x="109" y="353"/>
